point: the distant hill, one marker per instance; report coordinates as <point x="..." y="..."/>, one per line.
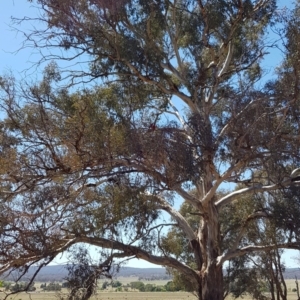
<point x="291" y="273"/>
<point x="59" y="273"/>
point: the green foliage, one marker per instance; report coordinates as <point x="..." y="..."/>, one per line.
<point x="141" y="287"/>
<point x="83" y="274"/>
<point x="246" y="280"/>
<point x="52" y="286"/>
<point x="65" y="285"/>
<point x="105" y="284"/>
<point x="116" y="284"/>
<point x="6" y="285"/>
<point x="22" y="286"/>
<point x="138" y="285"/>
<point x="149" y="287"/>
<point x="171" y="287"/>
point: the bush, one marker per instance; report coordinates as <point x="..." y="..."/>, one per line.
<point x="65" y="285"/>
<point x="116" y="284"/>
<point x="105" y="284"/>
<point x="52" y="287"/>
<point x="149" y="287"/>
<point x="137" y="285"/>
<point x="22" y="286"/>
<point x="171" y="287"/>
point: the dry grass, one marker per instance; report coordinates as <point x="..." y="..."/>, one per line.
<point x="111" y="295"/>
<point x="290" y="283"/>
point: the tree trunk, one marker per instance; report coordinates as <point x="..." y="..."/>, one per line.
<point x="208" y="250"/>
<point x="212" y="283"/>
<point x="281" y="285"/>
<point x="272" y="290"/>
<point x="211" y="275"/>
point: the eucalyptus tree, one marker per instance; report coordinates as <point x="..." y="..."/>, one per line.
<point x="177" y="109"/>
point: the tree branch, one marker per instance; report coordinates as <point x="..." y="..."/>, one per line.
<point x="252" y="248"/>
<point x="183" y="224"/>
<point x="227" y="60"/>
<point x="256" y="215"/>
<point x="138" y="253"/>
<point x="254" y="189"/>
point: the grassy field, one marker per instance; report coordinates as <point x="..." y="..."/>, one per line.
<point x="131" y="295"/>
<point x="109" y="296"/>
<point x="127" y="280"/>
<point x="124" y="296"/>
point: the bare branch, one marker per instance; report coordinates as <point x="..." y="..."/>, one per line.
<point x="138" y="253"/>
<point x="256" y="248"/>
<point x="184" y="225"/>
<point x="227" y="60"/>
<point x="254" y="189"/>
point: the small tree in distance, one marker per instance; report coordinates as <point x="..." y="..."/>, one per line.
<point x="179" y="107"/>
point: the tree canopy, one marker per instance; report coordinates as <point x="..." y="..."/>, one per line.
<point x="174" y="109"/>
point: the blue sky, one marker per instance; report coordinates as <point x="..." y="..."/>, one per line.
<point x="10" y="40"/>
<point x="17" y="62"/>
